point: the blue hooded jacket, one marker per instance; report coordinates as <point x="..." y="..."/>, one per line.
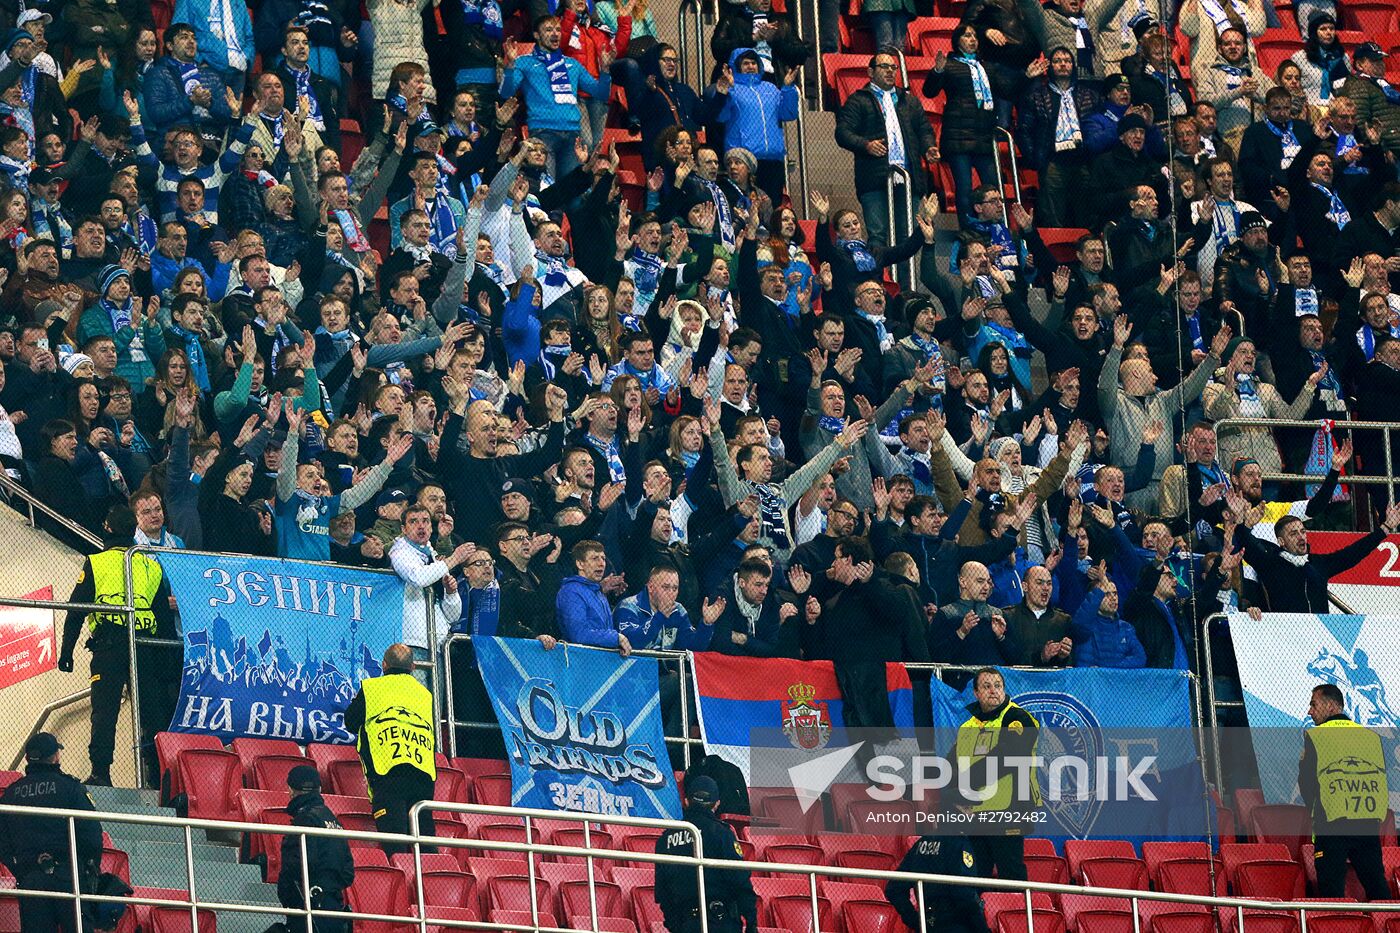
<point x="756" y="109"/>
<point x="583" y="613"/>
<point x="545" y="113"/>
<point x="1100" y="641"/>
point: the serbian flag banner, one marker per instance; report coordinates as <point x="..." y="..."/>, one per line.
<point x="738" y="695"/>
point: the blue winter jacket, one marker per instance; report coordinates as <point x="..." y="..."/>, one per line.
<point x="583" y="613"/>
<point x="213" y="50"/>
<point x="165" y="103"/>
<point x="646" y="628"/>
<point x="1103" y="642"/>
<point x="754" y="114"/>
<point x="530" y="72"/>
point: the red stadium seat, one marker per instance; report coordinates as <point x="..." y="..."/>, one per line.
<point x="448" y="889"/>
<point x="1258" y="921"/>
<point x="168" y="748"/>
<point x="928" y="35"/>
<point x="605" y="924"/>
<point x="211" y="780"/>
<point x="484" y="869"/>
<point x="378" y="890"/>
<point x="1155" y="853"/>
<point x="347" y="777"/>
<point x="453" y="785"/>
<point x="1191" y="876"/>
<point x="1167" y="917"/>
<point x="512" y="892"/>
<point x="492" y="789"/>
<point x="645" y="910"/>
<point x="270" y="771"/>
<point x="475" y="767"/>
<point x="867" y="859"/>
<point x="250" y="750"/>
<point x="1041" y="921"/>
<point x="1077" y="850"/>
<point x="786" y="811"/>
<point x="322" y="754"/>
<point x="1246" y="799"/>
<point x="573" y="898"/>
<point x="522" y="918"/>
<point x="996" y="903"/>
<point x="371" y="858"/>
<point x="1286" y="823"/>
<point x="1372" y="17"/>
<point x="1037" y="845"/>
<point x="1091" y="913"/>
<point x="1060" y="241"/>
<point x="1270" y="879"/>
<point x="871" y="915"/>
<point x="845" y="74"/>
<point x="177" y="920"/>
<point x="1050" y="869"/>
<point x="1235" y="854"/>
<point x="442" y="912"/>
<point x="795" y="912"/>
<point x="1125" y="873"/>
<point x="574" y="836"/>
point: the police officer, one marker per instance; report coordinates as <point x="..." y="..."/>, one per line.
<point x="103" y="580"/>
<point x="996" y="730"/>
<point x="330" y="869"/>
<point x="1342" y="780"/>
<point x="948" y="908"/>
<point x="729" y="893"/>
<point x="392" y="716"/>
<point x="35" y="848"/>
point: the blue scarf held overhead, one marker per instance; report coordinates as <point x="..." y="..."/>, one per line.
<point x="486" y="14"/>
<point x="1336" y="211"/>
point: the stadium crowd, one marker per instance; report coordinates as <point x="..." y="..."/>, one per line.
<point x="652" y="410"/>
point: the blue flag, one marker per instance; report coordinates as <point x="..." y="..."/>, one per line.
<point x="582" y="728"/>
<point x="231" y="607"/>
<point x="1122" y="716"/>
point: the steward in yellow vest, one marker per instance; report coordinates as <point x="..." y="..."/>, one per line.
<point x="103" y="580"/>
<point x="1342" y="780"/>
<point x="396" y="733"/>
<point x="997" y="729"/>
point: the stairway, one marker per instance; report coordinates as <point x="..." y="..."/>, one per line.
<point x="157" y="855"/>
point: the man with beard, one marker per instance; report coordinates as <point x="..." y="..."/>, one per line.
<point x="1293" y="578"/>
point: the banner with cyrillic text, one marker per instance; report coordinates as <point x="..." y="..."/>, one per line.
<point x="277" y="648"/>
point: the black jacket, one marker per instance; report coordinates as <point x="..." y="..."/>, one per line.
<point x="676" y="888"/>
<point x="1261" y="155"/>
<point x="1290" y="588"/>
<point x="327" y="97"/>
<point x="967" y="128"/>
<point x="24" y="838"/>
<point x="861" y="120"/>
<point x="955" y="906"/>
<point x="329" y="864"/>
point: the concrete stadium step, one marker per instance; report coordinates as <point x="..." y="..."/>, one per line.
<point x="213" y="880"/>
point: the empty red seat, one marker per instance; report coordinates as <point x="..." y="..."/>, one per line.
<point x="1077" y="850"/>
<point x="1155" y="853"/>
<point x="371" y="858"/>
<point x="270" y="771"/>
<point x="645" y="910"/>
<point x="523" y="918"/>
<point x="1125" y="873"/>
<point x="1191" y="876"/>
<point x="347" y="778"/>
<point x="605" y="924"/>
<point x="168" y="748"/>
<point x="378" y="889"/>
<point x="996" y="903"/>
<point x="867" y="859"/>
<point x="1258" y="921"/>
<point x="177" y="920"/>
<point x="1235" y="854"/>
<point x="786" y="811"/>
<point x="1169" y="917"/>
<point x="448" y="889"/>
<point x="513" y="892"/>
<point x="1246" y="799"/>
<point x="574" y="899"/>
<point x="212" y="780"/>
<point x="441" y="912"/>
<point x="1091" y="913"/>
<point x="322" y="754"/>
<point x="483" y="869"/>
<point x="1270" y="879"/>
<point x="250" y="750"/>
<point x="1050" y="869"/>
<point x="492" y="789"/>
<point x="1288" y="824"/>
<point x="1041" y="921"/>
<point x="574" y="836"/>
<point x="794" y="912"/>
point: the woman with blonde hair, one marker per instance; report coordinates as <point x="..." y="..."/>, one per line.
<point x="601" y="328"/>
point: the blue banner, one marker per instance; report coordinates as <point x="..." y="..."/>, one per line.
<point x="582" y="728"/>
<point x="1121" y="716"/>
<point x="277" y="648"/>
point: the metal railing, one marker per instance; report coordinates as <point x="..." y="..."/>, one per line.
<point x="1015" y="173"/>
<point x="192" y="901"/>
<point x="899" y="177"/>
<point x="13" y="490"/>
<point x="1225" y="427"/>
<point x="690" y="29"/>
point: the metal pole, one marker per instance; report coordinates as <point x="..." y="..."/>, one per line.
<point x="685" y="711"/>
<point x="306" y="885"/>
<point x="801" y="160"/>
<point x="1389" y="468"/>
<point x="1210" y="706"/>
<point x="700" y="882"/>
<point x="1137" y="921"/>
<point x="899" y="177"/>
<point x="448" y="703"/>
<point x="189" y="878"/>
<point x="74" y="868"/>
<point x="133" y="676"/>
<point x="1030" y="913"/>
<point x="816" y="920"/>
<point x="592" y="884"/>
<point x="903" y="69"/>
<point x="418" y="872"/>
<point x="530" y="863"/>
<point x="687" y="9"/>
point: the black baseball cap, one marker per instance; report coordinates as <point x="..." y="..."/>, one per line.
<point x="701" y="790"/>
<point x="41" y="746"/>
<point x="304" y="777"/>
<point x="390" y="496"/>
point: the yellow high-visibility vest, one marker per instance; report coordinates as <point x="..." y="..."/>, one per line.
<point x="398" y="727"/>
<point x="1351" y="783"/>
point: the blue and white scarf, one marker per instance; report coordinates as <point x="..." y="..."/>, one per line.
<point x="1336" y="211"/>
<point x="194" y="352"/>
<point x="646" y="275"/>
<point x="772" y="523"/>
<point x="831" y="423"/>
<point x="189" y="83"/>
<point x="860" y="254"/>
<point x="276" y="127"/>
<point x="552" y="357"/>
<point x="1329" y="381"/>
<point x="894" y="137"/>
<point x="486" y="14"/>
<point x="1347" y="141"/>
<point x="1251" y="406"/>
<point x="444" y="235"/>
<point x="724" y="216"/>
<point x="481" y="611"/>
<point x="611" y="451"/>
<point x="118" y="314"/>
<point x="555" y="269"/>
<point x="1366" y="339"/>
<point x="981" y="87"/>
<point x="350" y="228"/>
<point x="1304" y="301"/>
<point x="314" y="115"/>
<point x="1391" y="94"/>
<point x="556" y="68"/>
<point x="882" y="333"/>
<point x="1287" y="139"/>
<point x="1193" y="324"/>
<point x="1068" y="135"/>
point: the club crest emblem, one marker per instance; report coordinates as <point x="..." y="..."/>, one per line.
<point x="806" y="722"/>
